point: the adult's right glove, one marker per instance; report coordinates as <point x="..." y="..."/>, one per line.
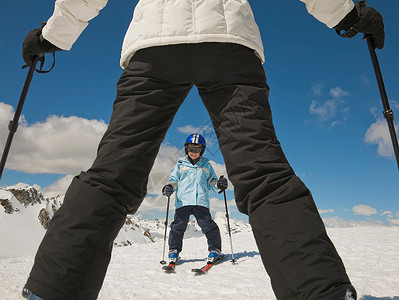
<point x="363" y="19"/>
<point x="167" y="190"/>
<point x="35" y="45"/>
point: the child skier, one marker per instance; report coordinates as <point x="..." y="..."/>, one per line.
<point x="193" y="178"/>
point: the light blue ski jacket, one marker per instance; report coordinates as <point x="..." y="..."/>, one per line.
<point x="193" y="183"/>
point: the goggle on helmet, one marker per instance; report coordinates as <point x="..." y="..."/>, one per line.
<point x="197" y="139"/>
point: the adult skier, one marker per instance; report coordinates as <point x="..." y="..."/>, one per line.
<point x="169" y="47"/>
<point x="193" y="178"/>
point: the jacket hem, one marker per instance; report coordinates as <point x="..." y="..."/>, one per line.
<point x="128" y="52"/>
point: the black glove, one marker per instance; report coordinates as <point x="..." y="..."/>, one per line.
<point x="35" y="45"/>
<point x="167" y="190"/>
<point x="363" y="19"/>
<point x="222" y="183"/>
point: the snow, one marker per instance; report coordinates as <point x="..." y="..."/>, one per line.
<point x="20" y="232"/>
<point x="371" y="256"/>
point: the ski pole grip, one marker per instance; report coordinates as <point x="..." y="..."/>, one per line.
<point x="221" y="191"/>
<point x="13" y="126"/>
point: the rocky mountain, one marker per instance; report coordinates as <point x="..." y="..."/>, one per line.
<point x="18" y="198"/>
<point x="23" y="199"/>
<point x="26" y="213"/>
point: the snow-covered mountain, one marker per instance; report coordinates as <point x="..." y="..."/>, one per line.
<point x="20" y="198"/>
<point x="27" y="212"/>
<point x="24" y="217"/>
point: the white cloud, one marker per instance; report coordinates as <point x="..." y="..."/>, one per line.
<point x="163" y="165"/>
<point x="393" y="222"/>
<point x="68" y="145"/>
<point x="364" y="210"/>
<point x="365" y="80"/>
<point x="59" y="187"/>
<point x="189" y="129"/>
<point x="376" y="112"/>
<point x="394" y="104"/>
<point x="220" y="170"/>
<point x="326" y="211"/>
<point x="332" y="110"/>
<point x="337" y="222"/>
<point x="338" y="92"/>
<point x="378" y="133"/>
<point x="316" y="89"/>
<point x="388" y="214"/>
<point x="6" y="114"/>
<point x="218" y="205"/>
<point x="152" y="205"/>
<point x="335" y="123"/>
<point x="59" y="145"/>
<point x="324" y="111"/>
<point x="392" y="219"/>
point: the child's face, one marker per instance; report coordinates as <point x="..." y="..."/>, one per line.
<point x="197" y="151"/>
<point x="193" y="155"/>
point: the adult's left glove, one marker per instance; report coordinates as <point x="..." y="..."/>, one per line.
<point x="363" y="19"/>
<point x="222" y="183"/>
<point x="35" y="45"/>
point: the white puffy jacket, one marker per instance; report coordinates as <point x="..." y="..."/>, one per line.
<point x="165" y="22"/>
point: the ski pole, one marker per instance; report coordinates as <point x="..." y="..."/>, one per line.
<point x="388" y="114"/>
<point x="13" y="125"/>
<point x="164" y="236"/>
<point x="228" y="224"/>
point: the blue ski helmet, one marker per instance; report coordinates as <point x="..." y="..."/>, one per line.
<point x="195" y="138"/>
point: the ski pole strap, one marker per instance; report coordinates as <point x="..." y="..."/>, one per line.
<point x="41" y="59"/>
<point x="351" y="32"/>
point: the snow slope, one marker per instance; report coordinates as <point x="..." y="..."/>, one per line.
<point x="371" y="255"/>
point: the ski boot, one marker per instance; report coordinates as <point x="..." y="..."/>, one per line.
<point x="173" y="260"/>
<point x="214" y="255"/>
<point x="173" y="256"/>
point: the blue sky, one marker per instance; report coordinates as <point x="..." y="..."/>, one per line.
<point x="324" y="97"/>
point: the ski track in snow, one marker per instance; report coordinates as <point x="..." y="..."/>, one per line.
<point x="371" y="257"/>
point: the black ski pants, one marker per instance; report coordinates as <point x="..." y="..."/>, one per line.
<point x="300" y="259"/>
<point x="204" y="220"/>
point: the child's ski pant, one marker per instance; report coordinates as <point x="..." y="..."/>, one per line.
<point x="204" y="220"/>
<point x="299" y="257"/>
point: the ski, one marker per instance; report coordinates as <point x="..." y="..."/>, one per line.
<point x="208" y="266"/>
<point x="170" y="268"/>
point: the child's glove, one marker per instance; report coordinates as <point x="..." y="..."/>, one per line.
<point x="222" y="183"/>
<point x="167" y="190"/>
